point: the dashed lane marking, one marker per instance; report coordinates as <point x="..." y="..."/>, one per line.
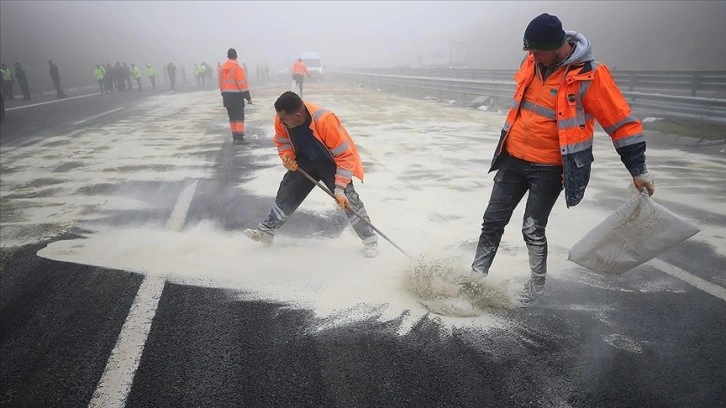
<point x="118" y="376"/>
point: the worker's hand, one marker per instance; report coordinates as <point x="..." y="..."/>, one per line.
<point x="289" y="163"/>
<point x="249" y="102"/>
<point x="644" y="181"/>
<point x="342" y="201"/>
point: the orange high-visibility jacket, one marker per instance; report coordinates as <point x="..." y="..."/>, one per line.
<point x="232" y="77"/>
<point x="299" y="68"/>
<point x="587" y="92"/>
<point x="330" y="132"/>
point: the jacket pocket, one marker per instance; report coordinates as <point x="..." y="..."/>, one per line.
<point x="583" y="158"/>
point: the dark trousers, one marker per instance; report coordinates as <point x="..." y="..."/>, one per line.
<point x="295" y="187"/>
<point x="8" y="90"/>
<point x="235" y="104"/>
<point x="58" y="90"/>
<point x="24" y="88"/>
<point x="513" y="179"/>
<point x="299" y="83"/>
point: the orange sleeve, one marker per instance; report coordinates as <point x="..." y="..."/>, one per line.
<point x="610" y="108"/>
<point x="338" y="142"/>
<point x="282" y="140"/>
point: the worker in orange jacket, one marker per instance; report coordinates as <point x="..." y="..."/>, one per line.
<point x="233" y="85"/>
<point x="299" y="70"/>
<point x="312" y="138"/>
<point x="546" y="142"/>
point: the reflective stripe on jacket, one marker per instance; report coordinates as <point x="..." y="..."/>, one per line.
<point x="328" y="130"/>
<point x="232" y="77"/>
<point x="587" y="93"/>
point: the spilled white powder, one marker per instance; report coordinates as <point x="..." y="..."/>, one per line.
<point x="426" y="187"/>
<point x="329" y="276"/>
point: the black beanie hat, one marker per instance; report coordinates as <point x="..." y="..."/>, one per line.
<point x="544" y="32"/>
<point x="232" y="53"/>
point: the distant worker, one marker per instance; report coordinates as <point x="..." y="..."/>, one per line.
<point x="119" y="77"/>
<point x="547" y="139"/>
<point x="151" y="73"/>
<point x="195" y="71"/>
<point x="171" y="72"/>
<point x="99" y="73"/>
<point x="55" y="77"/>
<point x="7" y="82"/>
<point x="203" y="74"/>
<point x="22" y="81"/>
<point x="136" y="74"/>
<point x="299" y="70"/>
<point x="233" y="85"/>
<point x="311" y="138"/>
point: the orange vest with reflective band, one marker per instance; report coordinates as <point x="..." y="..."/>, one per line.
<point x="586" y="92"/>
<point x="533" y="136"/>
<point x="328" y="130"/>
<point x="299" y="68"/>
<point x="232" y="77"/>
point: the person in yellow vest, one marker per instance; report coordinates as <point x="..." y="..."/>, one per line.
<point x="311" y="138"/>
<point x="136" y="74"/>
<point x="195" y="70"/>
<point x="546" y="142"/>
<point x="233" y="85"/>
<point x="7" y="82"/>
<point x="151" y="73"/>
<point x="99" y="73"/>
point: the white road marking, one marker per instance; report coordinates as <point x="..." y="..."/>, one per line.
<point x="53" y="101"/>
<point x="118" y="376"/>
<point x="97" y="116"/>
<point x="689" y="278"/>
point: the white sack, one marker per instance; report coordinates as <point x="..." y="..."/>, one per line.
<point x="635" y="233"/>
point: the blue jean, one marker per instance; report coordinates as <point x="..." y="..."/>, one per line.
<point x="514" y="178"/>
<point x="295" y="187"/>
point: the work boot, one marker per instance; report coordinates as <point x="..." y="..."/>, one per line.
<point x="260" y="236"/>
<point x="371" y="249"/>
<point x="238" y="139"/>
<point x="533" y="291"/>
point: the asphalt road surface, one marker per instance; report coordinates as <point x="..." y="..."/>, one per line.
<point x="125" y="281"/>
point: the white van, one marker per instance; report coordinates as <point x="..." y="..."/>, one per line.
<point x="315" y="65"/>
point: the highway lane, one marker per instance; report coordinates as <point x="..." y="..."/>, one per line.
<point x="243" y="337"/>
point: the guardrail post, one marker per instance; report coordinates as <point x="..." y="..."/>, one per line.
<point x="631" y="83"/>
<point x="695" y="84"/>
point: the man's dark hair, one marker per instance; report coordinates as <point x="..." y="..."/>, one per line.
<point x="289" y="102"/>
<point x="232" y="53"/>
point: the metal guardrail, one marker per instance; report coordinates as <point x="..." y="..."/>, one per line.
<point x="686" y="83"/>
<point x="660" y="95"/>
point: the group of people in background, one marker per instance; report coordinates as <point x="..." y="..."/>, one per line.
<point x="121" y="76"/>
<point x="9" y="78"/>
<point x="118" y="77"/>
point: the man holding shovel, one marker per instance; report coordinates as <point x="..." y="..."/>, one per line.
<point x="546" y="143"/>
<point x="312" y="142"/>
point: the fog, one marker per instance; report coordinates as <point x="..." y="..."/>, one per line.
<point x="77" y="35"/>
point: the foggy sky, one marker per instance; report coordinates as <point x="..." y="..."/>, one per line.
<point x="666" y="35"/>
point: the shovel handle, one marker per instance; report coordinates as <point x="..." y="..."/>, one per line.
<point x="327" y="190"/>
